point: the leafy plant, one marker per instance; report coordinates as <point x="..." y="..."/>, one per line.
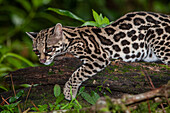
<point x="15" y="48"/>
<point x="18" y="95"/>
<point x="59" y="97"/>
<point x="100" y="21"/>
<point x="12" y="106"/>
<point x="10" y="62"/>
<point x="41" y="108"/>
<point x="92" y="99"/>
<point x="102" y="89"/>
<point x="18" y="57"/>
<point x="73" y="104"/>
<point x="58" y="105"/>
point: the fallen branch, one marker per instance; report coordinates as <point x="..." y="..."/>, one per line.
<point x="128" y="100"/>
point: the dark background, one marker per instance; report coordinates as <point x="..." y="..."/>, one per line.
<point x="19" y="16"/>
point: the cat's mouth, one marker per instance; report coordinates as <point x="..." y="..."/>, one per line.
<point x="47" y="63"/>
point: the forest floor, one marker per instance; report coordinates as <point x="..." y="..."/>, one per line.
<point x="120" y="77"/>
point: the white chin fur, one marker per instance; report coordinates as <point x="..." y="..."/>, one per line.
<point x="47" y="63"/>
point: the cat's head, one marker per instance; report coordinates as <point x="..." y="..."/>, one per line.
<point x="47" y="43"/>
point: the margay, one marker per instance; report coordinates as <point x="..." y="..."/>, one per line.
<point x="134" y="37"/>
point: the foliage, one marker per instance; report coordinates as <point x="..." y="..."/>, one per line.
<point x="13" y="102"/>
<point x="92" y="99"/>
<point x="102" y="89"/>
<point x="18" y="95"/>
<point x="144" y="107"/>
<point x="100" y="21"/>
<point x="58" y="105"/>
<point x="19" y="16"/>
<point x="62" y="104"/>
<point x="41" y="108"/>
<point x="57" y="90"/>
<point x="66" y="13"/>
<point x="12" y="108"/>
<point x="114" y="108"/>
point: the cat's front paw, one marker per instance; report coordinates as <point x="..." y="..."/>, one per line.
<point x="67" y="94"/>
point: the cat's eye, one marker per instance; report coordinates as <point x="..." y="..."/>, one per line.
<point x="49" y="49"/>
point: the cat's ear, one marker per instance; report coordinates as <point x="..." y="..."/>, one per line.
<point x="32" y="35"/>
<point x="58" y="29"/>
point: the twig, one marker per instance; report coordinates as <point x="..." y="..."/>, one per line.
<point x="149" y="106"/>
<point x="146" y="77"/>
<point x="28" y="95"/>
<point x="13" y="85"/>
<point x="15" y="93"/>
<point x="129" y="100"/>
<point x="26" y="111"/>
<point x="4" y="100"/>
<point x="2" y="103"/>
<point x="150" y="81"/>
<point x="35" y="106"/>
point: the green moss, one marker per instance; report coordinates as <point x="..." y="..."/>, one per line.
<point x="115" y="78"/>
<point x="60" y="72"/>
<point x="138" y="86"/>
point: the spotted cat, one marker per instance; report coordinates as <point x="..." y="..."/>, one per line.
<point x="134" y="37"/>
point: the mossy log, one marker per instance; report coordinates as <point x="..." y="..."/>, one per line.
<point x="120" y="77"/>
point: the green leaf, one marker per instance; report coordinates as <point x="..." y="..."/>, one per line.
<point x="14" y="104"/>
<point x="105" y="20"/>
<point x="15" y="62"/>
<point x="16" y="56"/>
<point x="38" y="3"/>
<point x="88" y="98"/>
<point x="66" y="13"/>
<point x="91" y="23"/>
<point x="41" y="108"/>
<point x="12" y="99"/>
<point x="65" y="106"/>
<point x="57" y="90"/>
<point x="5" y="111"/>
<point x="27" y="85"/>
<point x="81" y="90"/>
<point x="108" y="89"/>
<point x="96" y="17"/>
<point x="101" y="16"/>
<point x="51" y="106"/>
<point x="57" y="107"/>
<point x="79" y="106"/>
<point x="5" y="69"/>
<point x="95" y="96"/>
<point x="11" y="107"/>
<point x="2" y="87"/>
<point x="59" y="98"/>
<point x="18" y="95"/>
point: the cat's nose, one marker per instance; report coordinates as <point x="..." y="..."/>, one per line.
<point x="42" y="60"/>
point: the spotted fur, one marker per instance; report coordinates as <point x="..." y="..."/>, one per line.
<point x="134" y="37"/>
